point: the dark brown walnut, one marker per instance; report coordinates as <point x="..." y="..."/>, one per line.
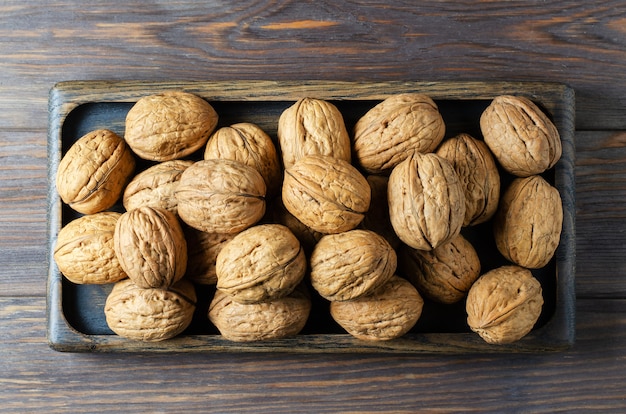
<point x="388" y="133"/>
<point x="504" y="304"/>
<point x="376" y="218"/>
<point x="150" y="314"/>
<point x="275" y="319"/>
<point x="155" y="186"/>
<point x="84" y="251"/>
<point x="169" y="125"/>
<point x="308" y="237"/>
<point x="426" y="201"/>
<point x="221" y="196"/>
<point x="261" y="263"/>
<point x="352" y="264"/>
<point x="388" y="313"/>
<point x="150" y="246"/>
<point x="93" y="173"/>
<point x="249" y="144"/>
<point x="520" y="135"/>
<point x="477" y="170"/>
<point x="312" y="127"/>
<point x="327" y="194"/>
<point x="444" y="274"/>
<point x="528" y="223"/>
<point x="202" y="251"/>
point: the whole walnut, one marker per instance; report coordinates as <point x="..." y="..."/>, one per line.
<point x="327" y="194"/>
<point x="169" y="125"/>
<point x="150" y="314"/>
<point x="377" y="218"/>
<point x="504" y="304"/>
<point x="84" y="251"/>
<point x="202" y="251"/>
<point x="527" y="226"/>
<point x="388" y="133"/>
<point x="93" y="173"/>
<point x="150" y="246"/>
<point x="520" y="135"/>
<point x="477" y="170"/>
<point x="387" y="313"/>
<point x="426" y="201"/>
<point x="312" y="127"/>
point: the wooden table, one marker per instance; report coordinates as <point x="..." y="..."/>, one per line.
<point x="576" y="43"/>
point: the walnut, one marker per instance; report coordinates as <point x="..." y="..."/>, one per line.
<point x="93" y="173"/>
<point x="388" y="313"/>
<point x="150" y="314"/>
<point x="477" y="170"/>
<point x="202" y="251"/>
<point x="388" y="133"/>
<point x="426" y="201"/>
<point x="504" y="304"/>
<point x="274" y="319"/>
<point x="84" y="251"/>
<point x="312" y="127"/>
<point x="528" y="223"/>
<point x="261" y="263"/>
<point x="348" y="265"/>
<point x="249" y="144"/>
<point x="444" y="274"/>
<point x="150" y="246"/>
<point x="169" y="125"/>
<point x="377" y="217"/>
<point x="307" y="236"/>
<point x="327" y="194"/>
<point x="221" y="196"/>
<point x="520" y="135"/>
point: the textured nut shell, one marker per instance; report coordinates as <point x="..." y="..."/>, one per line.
<point x="84" y="250"/>
<point x="388" y="133"/>
<point x="376" y="218"/>
<point x="151" y="247"/>
<point x="327" y="194"/>
<point x="221" y="196"/>
<point x="202" y="251"/>
<point x="426" y="201"/>
<point x="528" y="223"/>
<point x="477" y="170"/>
<point x="351" y="264"/>
<point x="504" y="304"/>
<point x="275" y="319"/>
<point x="249" y="144"/>
<point x="444" y="274"/>
<point x="388" y="313"/>
<point x="262" y="263"/>
<point x="308" y="237"/>
<point x="169" y="125"/>
<point x="155" y="186"/>
<point x="520" y="135"/>
<point x="150" y="314"/>
<point x="312" y="127"/>
<point x="93" y="173"/>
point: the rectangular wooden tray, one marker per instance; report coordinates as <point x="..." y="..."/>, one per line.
<point x="75" y="312"/>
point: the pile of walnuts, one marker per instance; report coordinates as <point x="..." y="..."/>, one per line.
<point x="369" y="219"/>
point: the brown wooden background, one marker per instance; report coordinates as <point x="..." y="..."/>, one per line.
<point x="578" y="43"/>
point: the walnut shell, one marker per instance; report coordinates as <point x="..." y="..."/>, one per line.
<point x="150" y="314"/>
<point x="169" y="125"/>
<point x="307" y="236"/>
<point x="202" y="251"/>
<point x="275" y="319"/>
<point x="376" y="218"/>
<point x="444" y="274"/>
<point x="261" y="263"/>
<point x="520" y="135"/>
<point x="426" y="201"/>
<point x="388" y="313"/>
<point x="84" y="251"/>
<point x="388" y="133"/>
<point x="477" y="170"/>
<point x="150" y="246"/>
<point x="221" y="196"/>
<point x="504" y="304"/>
<point x="528" y="223"/>
<point x="93" y="173"/>
<point x="312" y="127"/>
<point x="349" y="265"/>
<point x="327" y="194"/>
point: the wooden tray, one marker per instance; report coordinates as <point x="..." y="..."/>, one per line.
<point x="75" y="312"/>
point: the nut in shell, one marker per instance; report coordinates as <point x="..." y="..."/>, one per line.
<point x="202" y="251"/>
